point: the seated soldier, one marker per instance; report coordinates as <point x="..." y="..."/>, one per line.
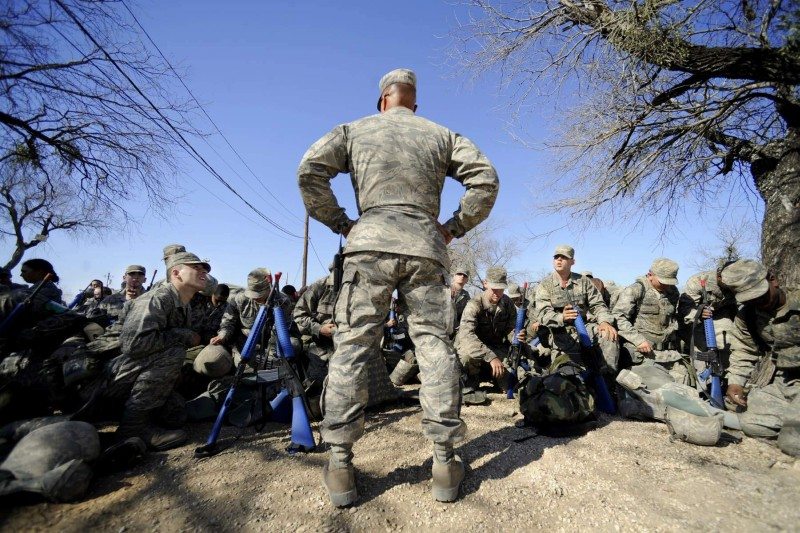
<point x="765" y="356"/>
<point x="313" y="314"/>
<point x="154" y="337"/>
<point x="458" y="295"/>
<point x="224" y="349"/>
<point x="482" y="341"/>
<point x="134" y="278"/>
<point x="553" y="309"/>
<point x="723" y="310"/>
<point x="646" y="314"/>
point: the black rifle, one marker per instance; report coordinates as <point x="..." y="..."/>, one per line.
<point x="152" y="280"/>
<point x="338" y="267"/>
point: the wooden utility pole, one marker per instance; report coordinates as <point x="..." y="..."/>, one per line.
<point x="305" y="251"/>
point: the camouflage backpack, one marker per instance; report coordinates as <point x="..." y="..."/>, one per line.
<point x="559" y="396"/>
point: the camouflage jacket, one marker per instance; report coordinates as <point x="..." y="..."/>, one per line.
<point x="113" y="304"/>
<point x="154" y="322"/>
<point x="722" y="300"/>
<point x="484" y="325"/>
<point x="550" y="298"/>
<point x="315" y="308"/>
<point x="397" y="163"/>
<point x="240" y="315"/>
<point x="644" y="314"/>
<point x="460" y="301"/>
<point x="779" y="338"/>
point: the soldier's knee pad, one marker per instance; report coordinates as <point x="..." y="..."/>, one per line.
<point x="213" y="361"/>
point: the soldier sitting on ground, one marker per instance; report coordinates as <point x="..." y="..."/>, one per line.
<point x="482" y="341"/>
<point x="552" y="308"/>
<point x="765" y="356"/>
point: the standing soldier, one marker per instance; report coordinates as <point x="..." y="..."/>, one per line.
<point x="398" y="163"/>
<point x="552" y="309"/>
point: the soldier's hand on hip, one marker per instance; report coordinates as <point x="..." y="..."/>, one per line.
<point x="498" y="370"/>
<point x="735" y="393"/>
<point x="448" y="237"/>
<point x="570" y="313"/>
<point x="644" y="347"/>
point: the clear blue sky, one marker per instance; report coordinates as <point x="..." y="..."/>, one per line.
<point x="275" y="76"/>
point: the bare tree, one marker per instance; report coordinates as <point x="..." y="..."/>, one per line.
<point x="85" y="113"/>
<point x="483" y="247"/>
<point x="673" y="100"/>
<point x="733" y="242"/>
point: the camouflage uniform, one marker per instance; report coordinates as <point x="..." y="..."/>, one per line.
<point x="154" y="338"/>
<point x="397" y="162"/>
<point x="547" y="308"/>
<point x="644" y="314"/>
<point x="484" y="330"/>
<point x="460" y="301"/>
<point x="114" y="304"/>
<point x="313" y="310"/>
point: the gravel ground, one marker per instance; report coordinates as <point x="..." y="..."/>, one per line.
<point x="622" y="476"/>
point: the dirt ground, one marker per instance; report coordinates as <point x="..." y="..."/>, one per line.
<point x="624" y="475"/>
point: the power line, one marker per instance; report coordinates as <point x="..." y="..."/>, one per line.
<point x="186" y="144"/>
<point x="219" y="131"/>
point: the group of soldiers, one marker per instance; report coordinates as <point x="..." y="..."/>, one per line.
<point x="137" y="349"/>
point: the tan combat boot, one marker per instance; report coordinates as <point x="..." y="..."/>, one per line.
<point x="447" y="479"/>
<point x="341" y="485"/>
<point x="137" y="424"/>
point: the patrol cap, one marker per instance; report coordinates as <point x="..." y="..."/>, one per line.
<point x="565" y="250"/>
<point x="211" y="286"/>
<point x="398" y="75"/>
<point x="587" y="273"/>
<point x="135" y="268"/>
<point x="460" y="269"/>
<point x="186" y="258"/>
<point x="746" y="278"/>
<point x="258" y="284"/>
<point x="496" y="278"/>
<point x="171" y="249"/>
<point x="666" y="270"/>
<point x="513" y="291"/>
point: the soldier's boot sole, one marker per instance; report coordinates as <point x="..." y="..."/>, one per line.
<point x="447" y="479"/>
<point x="341" y="485"/>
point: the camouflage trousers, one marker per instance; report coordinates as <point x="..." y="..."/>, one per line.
<point x="368" y="281"/>
<point x="147" y="383"/>
<point x="566" y="340"/>
<point x="773" y="411"/>
<point x="677" y="364"/>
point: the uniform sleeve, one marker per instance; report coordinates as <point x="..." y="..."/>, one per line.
<point x="472" y="169"/>
<point x="322" y="162"/>
<point x="145" y="329"/>
<point x="744" y="353"/>
<point x="597" y="306"/>
<point x="230" y="323"/>
<point x="304" y="310"/>
<point x="542" y="309"/>
<point x="467" y="341"/>
<point x="625" y="311"/>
